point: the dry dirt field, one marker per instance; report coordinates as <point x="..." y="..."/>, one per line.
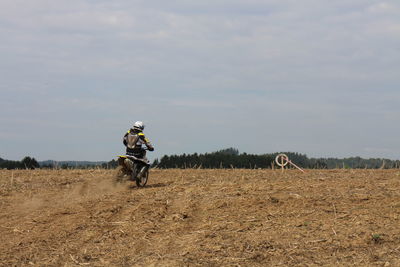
<point x="200" y="218"/>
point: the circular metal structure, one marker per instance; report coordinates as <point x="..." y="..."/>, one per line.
<point x="282" y="160"/>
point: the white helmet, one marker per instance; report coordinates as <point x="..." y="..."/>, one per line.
<point x="138" y="125"/>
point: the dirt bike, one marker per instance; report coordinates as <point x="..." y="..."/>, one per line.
<point x="136" y="169"/>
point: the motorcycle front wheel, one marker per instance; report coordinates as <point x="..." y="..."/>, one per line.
<point x="141" y="179"/>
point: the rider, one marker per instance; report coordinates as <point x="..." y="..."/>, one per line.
<point x="134" y="139"/>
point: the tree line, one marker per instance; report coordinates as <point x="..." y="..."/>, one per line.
<point x="25" y="163"/>
<point x="32" y="163"/>
<point x="225" y="158"/>
<point x="231" y="158"/>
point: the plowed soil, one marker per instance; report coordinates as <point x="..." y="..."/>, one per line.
<point x="200" y="218"/>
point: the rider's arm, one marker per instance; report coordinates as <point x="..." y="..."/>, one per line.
<point x="146" y="142"/>
<point x="125" y="139"/>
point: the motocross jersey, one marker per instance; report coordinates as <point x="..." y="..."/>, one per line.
<point x="133" y="140"/>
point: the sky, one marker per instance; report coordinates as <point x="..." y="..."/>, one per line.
<point x="318" y="77"/>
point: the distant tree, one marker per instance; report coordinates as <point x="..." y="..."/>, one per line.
<point x="155" y="163"/>
<point x="10" y="164"/>
<point x="110" y="165"/>
<point x="65" y="166"/>
<point x="29" y="163"/>
<point x="229" y="151"/>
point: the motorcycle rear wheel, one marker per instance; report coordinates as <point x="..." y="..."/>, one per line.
<point x="120" y="172"/>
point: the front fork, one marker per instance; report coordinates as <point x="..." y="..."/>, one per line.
<point x="143" y="171"/>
